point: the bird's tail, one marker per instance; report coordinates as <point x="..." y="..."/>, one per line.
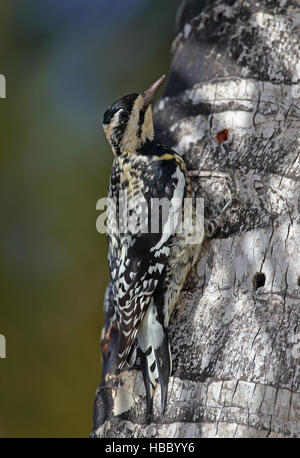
<point x="153" y="341"/>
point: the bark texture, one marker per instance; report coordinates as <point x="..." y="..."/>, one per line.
<point x="231" y="108"/>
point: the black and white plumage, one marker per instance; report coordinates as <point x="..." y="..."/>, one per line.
<point x="147" y="267"/>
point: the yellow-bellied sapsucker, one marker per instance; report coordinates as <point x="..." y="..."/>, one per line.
<point x="148" y="267"/>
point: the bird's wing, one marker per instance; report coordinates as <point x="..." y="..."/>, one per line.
<point x="138" y="262"/>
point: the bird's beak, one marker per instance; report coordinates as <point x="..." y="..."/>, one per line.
<point x="150" y="93"/>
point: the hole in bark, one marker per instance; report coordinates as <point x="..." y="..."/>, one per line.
<point x="222" y="135"/>
<point x="298" y="281"/>
<point x="259" y="280"/>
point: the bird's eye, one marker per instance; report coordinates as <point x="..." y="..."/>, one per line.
<point x="123" y="116"/>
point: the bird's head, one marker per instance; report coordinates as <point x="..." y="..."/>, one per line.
<point x="128" y="122"/>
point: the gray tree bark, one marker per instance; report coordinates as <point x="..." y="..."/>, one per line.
<point x="231" y="108"/>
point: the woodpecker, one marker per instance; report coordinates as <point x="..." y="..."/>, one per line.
<point x="147" y="268"/>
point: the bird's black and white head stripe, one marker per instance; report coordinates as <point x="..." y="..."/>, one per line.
<point x="116" y="119"/>
<point x="128" y="122"/>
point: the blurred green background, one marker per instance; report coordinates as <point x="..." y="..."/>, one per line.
<point x="64" y="61"/>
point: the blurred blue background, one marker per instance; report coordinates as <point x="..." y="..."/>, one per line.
<point x="64" y="61"/>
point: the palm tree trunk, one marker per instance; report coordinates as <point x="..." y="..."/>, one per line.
<point x="231" y="108"/>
